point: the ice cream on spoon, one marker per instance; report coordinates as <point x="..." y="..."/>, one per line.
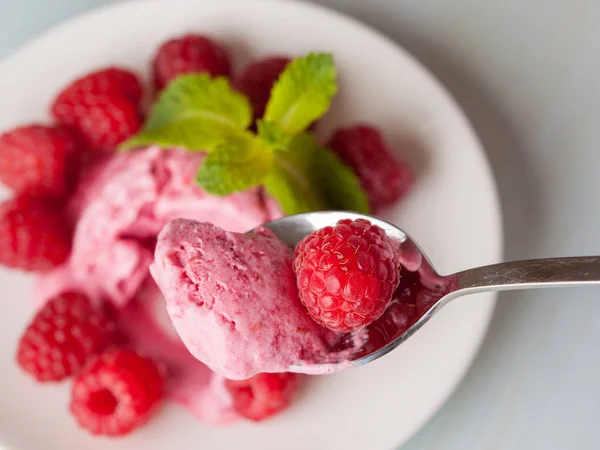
<point x="360" y="329"/>
<point x="245" y="303"/>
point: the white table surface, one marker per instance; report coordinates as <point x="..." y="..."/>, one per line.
<point x="527" y="72"/>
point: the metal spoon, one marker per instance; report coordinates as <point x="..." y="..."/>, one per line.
<point x="528" y="274"/>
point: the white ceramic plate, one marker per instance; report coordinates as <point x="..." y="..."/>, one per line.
<point x="453" y="212"/>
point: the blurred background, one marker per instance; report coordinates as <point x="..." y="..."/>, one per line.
<point x="527" y="73"/>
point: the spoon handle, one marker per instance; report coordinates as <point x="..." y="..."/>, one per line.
<point x="528" y="274"/>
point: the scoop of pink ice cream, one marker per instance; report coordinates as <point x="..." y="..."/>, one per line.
<point x="233" y="299"/>
<point x="117" y="214"/>
<point x="124" y="204"/>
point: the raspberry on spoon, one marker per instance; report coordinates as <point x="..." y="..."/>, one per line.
<point x="63" y="335"/>
<point x="116" y="392"/>
<point x="346" y="274"/>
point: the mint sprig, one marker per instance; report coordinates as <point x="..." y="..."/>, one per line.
<point x="273" y="135"/>
<point x="234" y="165"/>
<point x="196" y="112"/>
<point x="303" y="93"/>
<point x="202" y="113"/>
<point x="308" y="177"/>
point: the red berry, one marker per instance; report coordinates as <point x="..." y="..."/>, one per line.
<point x="34" y="234"/>
<point x="111" y="79"/>
<point x="116" y="392"/>
<point x="384" y="177"/>
<point x="258" y="78"/>
<point x="190" y="53"/>
<point x="120" y="80"/>
<point x="346" y="274"/>
<point x="103" y="121"/>
<point x="263" y="395"/>
<point x="62" y="337"/>
<point x="34" y="159"/>
<point x="103" y="107"/>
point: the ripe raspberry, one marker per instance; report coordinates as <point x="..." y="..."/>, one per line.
<point x="384" y="177"/>
<point x="263" y="395"/>
<point x="189" y="54"/>
<point x="34" y="159"/>
<point x="114" y="78"/>
<point x="62" y="337"/>
<point x="34" y="234"/>
<point x="258" y="78"/>
<point x="110" y="79"/>
<point x="116" y="392"/>
<point x="346" y="274"/>
<point x="103" y="107"/>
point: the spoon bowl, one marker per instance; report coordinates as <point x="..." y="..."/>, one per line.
<point x="527" y="274"/>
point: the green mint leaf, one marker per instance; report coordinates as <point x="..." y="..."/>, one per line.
<point x="234" y="165"/>
<point x="273" y="135"/>
<point x="303" y="92"/>
<point x="196" y="112"/>
<point x="290" y="178"/>
<point x="338" y="184"/>
<point x="310" y="178"/>
<point x="289" y="184"/>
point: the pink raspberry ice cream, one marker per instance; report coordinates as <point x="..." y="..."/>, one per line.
<point x="118" y="212"/>
<point x="122" y="208"/>
<point x="233" y="300"/>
